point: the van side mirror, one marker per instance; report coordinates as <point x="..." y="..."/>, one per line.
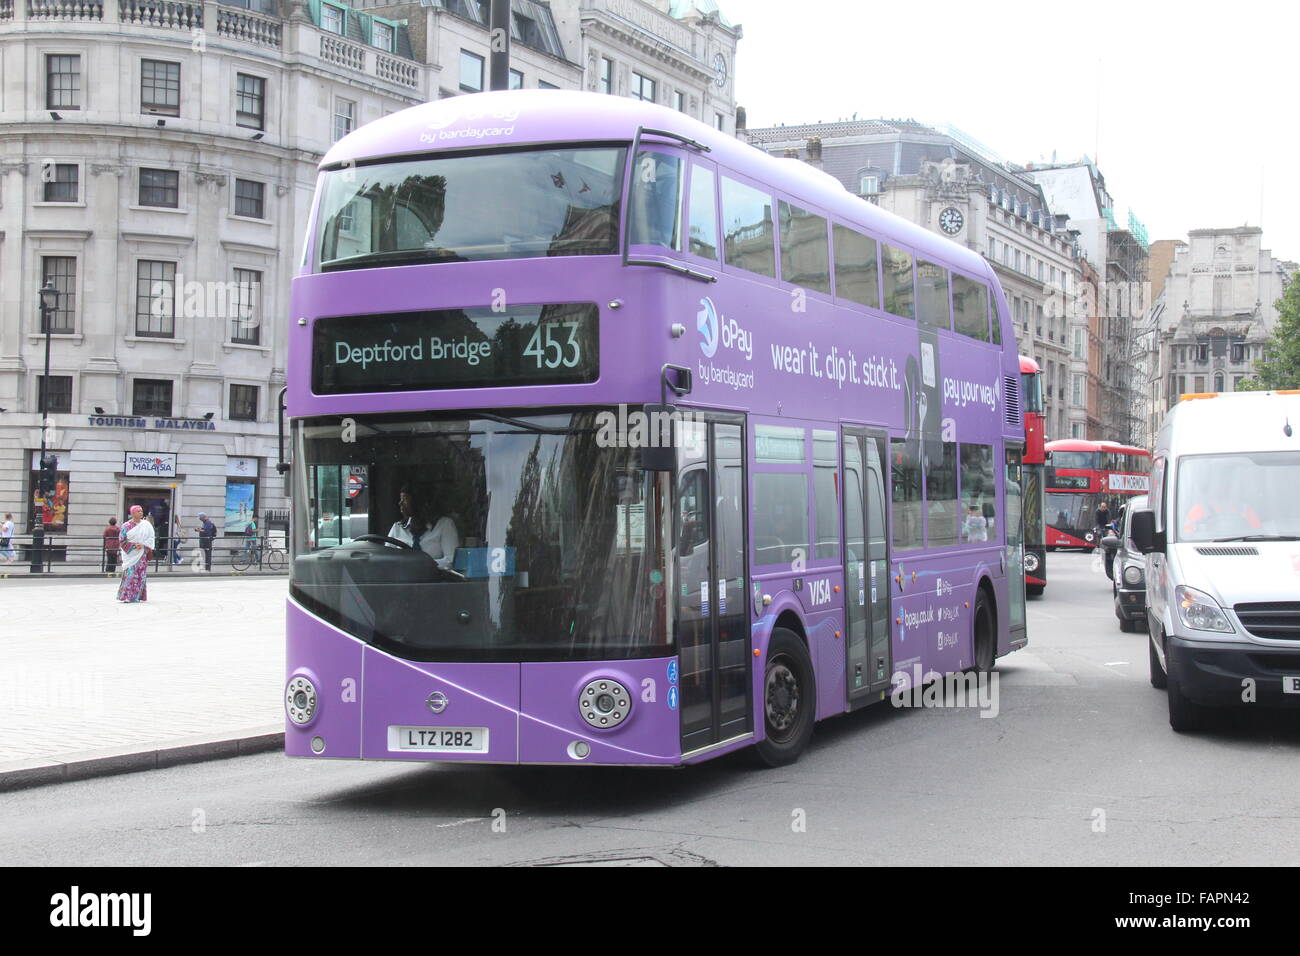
<point x="1144" y="533"/>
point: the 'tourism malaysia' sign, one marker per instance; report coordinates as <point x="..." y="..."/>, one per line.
<point x="136" y="421"/>
<point x="149" y="464"/>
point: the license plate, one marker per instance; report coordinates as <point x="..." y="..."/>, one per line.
<point x="1291" y="685"/>
<point x="438" y="739"/>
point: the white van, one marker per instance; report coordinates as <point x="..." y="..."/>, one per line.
<point x="1222" y="539"/>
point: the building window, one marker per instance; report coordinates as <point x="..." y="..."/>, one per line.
<point x="243" y="403"/>
<point x="155" y="298"/>
<point x="869" y="185"/>
<point x="250" y="101"/>
<point x="331" y="18"/>
<point x="60" y="394"/>
<point x="1238" y="352"/>
<point x="160" y="187"/>
<point x="643" y="88"/>
<point x="721" y="122"/>
<point x="151" y="397"/>
<point x="516" y="80"/>
<point x="344" y="117"/>
<point x="62" y="271"/>
<point x="62" y="82"/>
<point x="60" y="181"/>
<point x="606" y="75"/>
<point x="160" y="87"/>
<point x="543" y="85"/>
<point x="250" y="199"/>
<point x="245" y="322"/>
<point x="471" y="72"/>
<point x="382" y="36"/>
<point x="1218" y="381"/>
<point x="1080" y="346"/>
<point x="1076" y="390"/>
<point x="679" y="101"/>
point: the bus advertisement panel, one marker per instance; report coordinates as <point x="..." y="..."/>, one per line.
<point x="669" y="447"/>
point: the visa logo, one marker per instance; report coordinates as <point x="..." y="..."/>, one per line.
<point x="819" y="592"/>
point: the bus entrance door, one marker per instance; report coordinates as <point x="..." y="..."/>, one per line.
<point x="866" y="578"/>
<point x="712" y="620"/>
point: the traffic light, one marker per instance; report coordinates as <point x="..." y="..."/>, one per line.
<point x="48" y="475"/>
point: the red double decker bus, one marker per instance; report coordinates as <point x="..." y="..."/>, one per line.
<point x="1083" y="474"/>
<point x="1033" y="465"/>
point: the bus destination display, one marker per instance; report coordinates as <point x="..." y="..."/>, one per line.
<point x="456" y="348"/>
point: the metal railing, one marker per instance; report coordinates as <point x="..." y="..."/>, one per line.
<point x="71" y="554"/>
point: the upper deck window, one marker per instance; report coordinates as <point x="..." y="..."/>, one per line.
<point x="932" y="300"/>
<point x="855" y="267"/>
<point x="970" y="306"/>
<point x="900" y="299"/>
<point x="805" y="254"/>
<point x="515" y="205"/>
<point x="656" y="200"/>
<point x="747" y="226"/>
<point x="703" y="214"/>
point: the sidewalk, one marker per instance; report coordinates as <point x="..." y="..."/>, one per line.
<point x="88" y="685"/>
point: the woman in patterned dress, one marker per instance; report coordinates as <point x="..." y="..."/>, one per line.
<point x="137" y="546"/>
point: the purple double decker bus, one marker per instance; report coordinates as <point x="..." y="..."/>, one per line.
<point x="617" y="441"/>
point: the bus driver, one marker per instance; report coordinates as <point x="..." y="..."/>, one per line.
<point x="439" y="542"/>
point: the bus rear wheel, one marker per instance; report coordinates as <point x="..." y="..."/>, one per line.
<point x="789" y="700"/>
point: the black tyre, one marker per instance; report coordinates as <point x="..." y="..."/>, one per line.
<point x="241" y="560"/>
<point x="275" y="560"/>
<point x="1034" y="590"/>
<point x="789" y="700"/>
<point x="1127" y="625"/>
<point x="1158" y="677"/>
<point x="984" y="632"/>
<point x="1185" y="716"/>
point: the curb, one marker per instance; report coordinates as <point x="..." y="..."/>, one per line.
<point x="40" y="771"/>
<point x="163" y="576"/>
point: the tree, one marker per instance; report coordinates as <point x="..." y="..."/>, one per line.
<point x="1280" y="366"/>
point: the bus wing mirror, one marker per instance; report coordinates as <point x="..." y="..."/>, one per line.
<point x="1144" y="533"/>
<point x="657" y="451"/>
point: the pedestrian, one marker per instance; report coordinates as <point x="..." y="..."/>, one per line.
<point x="250" y="539"/>
<point x="137" y="540"/>
<point x="7" y="539"/>
<point x="207" y="532"/>
<point x="112" y="542"/>
<point x="178" y="539"/>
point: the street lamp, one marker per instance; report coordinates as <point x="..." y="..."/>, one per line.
<point x="49" y="301"/>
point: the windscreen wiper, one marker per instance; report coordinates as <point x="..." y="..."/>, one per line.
<point x="1261" y="537"/>
<point x="526" y="426"/>
<point x="392" y="257"/>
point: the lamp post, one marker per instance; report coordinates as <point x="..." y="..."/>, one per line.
<point x="49" y="301"/>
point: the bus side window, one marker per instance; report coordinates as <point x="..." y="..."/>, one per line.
<point x="656" y="200"/>
<point x="805" y="252"/>
<point x="747" y="224"/>
<point x="970" y="307"/>
<point x="932" y="306"/>
<point x="900" y="298"/>
<point x="703" y="214"/>
<point x="856" y="267"/>
<point x="996" y="321"/>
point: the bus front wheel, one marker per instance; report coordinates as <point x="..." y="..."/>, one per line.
<point x="789" y="700"/>
<point x="984" y="633"/>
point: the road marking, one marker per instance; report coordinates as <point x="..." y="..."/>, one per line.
<point x="1115" y="663"/>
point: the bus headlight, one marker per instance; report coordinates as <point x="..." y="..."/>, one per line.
<point x="604" y="703"/>
<point x="300" y="700"/>
<point x="1031" y="562"/>
<point x="1199" y="611"/>
<point x="1133" y="575"/>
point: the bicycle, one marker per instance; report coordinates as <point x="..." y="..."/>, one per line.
<point x="252" y="554"/>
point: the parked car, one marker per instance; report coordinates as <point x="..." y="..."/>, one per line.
<point x="1128" y="580"/>
<point x="1222" y="539"/>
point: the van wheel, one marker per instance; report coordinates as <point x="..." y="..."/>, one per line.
<point x="1127" y="625"/>
<point x="1158" y="676"/>
<point x="984" y="639"/>
<point x="1185" y="716"/>
<point x="789" y="700"/>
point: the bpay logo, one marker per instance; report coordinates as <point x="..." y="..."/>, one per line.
<point x="706" y="320"/>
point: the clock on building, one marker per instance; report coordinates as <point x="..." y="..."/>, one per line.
<point x="951" y="220"/>
<point x="720" y="70"/>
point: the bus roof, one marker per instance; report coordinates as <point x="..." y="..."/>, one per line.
<point x="1081" y="444"/>
<point x="1028" y="366"/>
<point x="514" y="118"/>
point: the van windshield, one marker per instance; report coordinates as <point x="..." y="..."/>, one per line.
<point x="1239" y="497"/>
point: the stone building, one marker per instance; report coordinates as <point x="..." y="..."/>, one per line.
<point x="952" y="185"/>
<point x="1215" y="312"/>
<point x="157" y="164"/>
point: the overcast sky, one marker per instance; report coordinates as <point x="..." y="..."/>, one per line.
<point x="1199" y="123"/>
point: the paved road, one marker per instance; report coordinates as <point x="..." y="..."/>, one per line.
<point x="1079" y="767"/>
<point x="80" y="671"/>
